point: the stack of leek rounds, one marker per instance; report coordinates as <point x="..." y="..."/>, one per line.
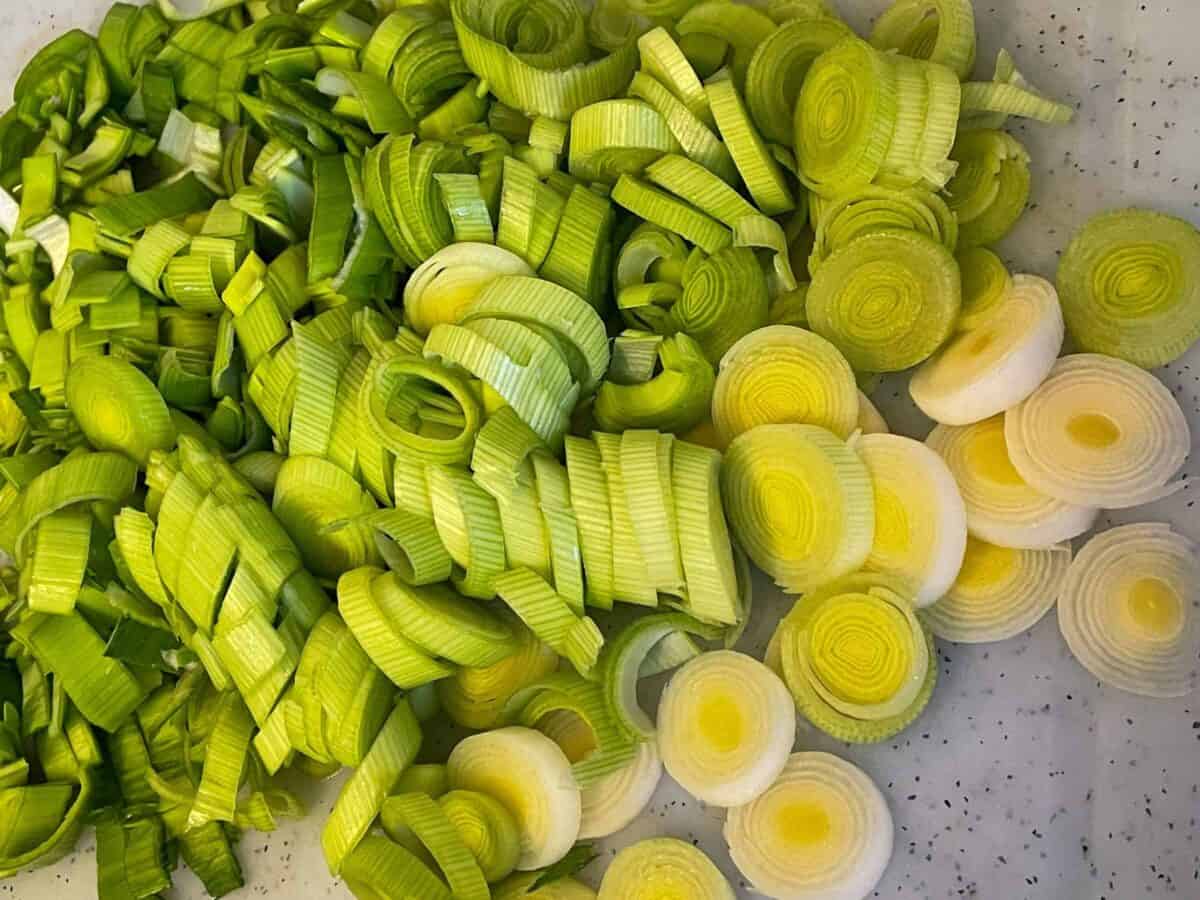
<point x="370" y="368"/>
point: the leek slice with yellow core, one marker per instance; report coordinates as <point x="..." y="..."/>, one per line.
<point x="724" y="298"/>
<point x="989" y="191"/>
<point x="1099" y="431"/>
<point x="920" y="520"/>
<point x="1127" y="610"/>
<point x="1130" y="286"/>
<point x="778" y="66"/>
<point x="531" y="776"/>
<point x="762" y="174"/>
<point x="859" y="664"/>
<point x="615" y="801"/>
<point x="674" y="400"/>
<point x="779" y="375"/>
<point x="725" y="727"/>
<point x="118" y="408"/>
<point x="616" y="137"/>
<point x="520" y="887"/>
<point x="822" y="831"/>
<point x="1000" y="592"/>
<point x="663" y="868"/>
<point x="939" y="30"/>
<point x="995" y="365"/>
<point x="487" y="829"/>
<point x="870" y="419"/>
<point x="1002" y="508"/>
<point x="312" y="493"/>
<point x="799" y="502"/>
<point x="887" y="301"/>
<point x="986" y="282"/>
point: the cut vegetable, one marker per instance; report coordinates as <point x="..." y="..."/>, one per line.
<point x="1099" y="431"/>
<point x="663" y="867"/>
<point x="487" y="829"/>
<point x="444" y="286"/>
<point x="1127" y="610"/>
<point x="1002" y="508"/>
<point x="616" y="137"/>
<point x="725" y="727"/>
<point x="999" y="593"/>
<point x="822" y="830"/>
<point x="986" y="282"/>
<point x="998" y="363"/>
<point x="939" y="30"/>
<point x="118" y="408"/>
<point x="615" y="801"/>
<point x="989" y="191"/>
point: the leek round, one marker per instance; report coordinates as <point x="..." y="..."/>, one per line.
<point x="615" y="801"/>
<point x="1002" y="508"/>
<point x="312" y="493"/>
<point x="1099" y="431"/>
<point x="920" y="520"/>
<point x="530" y="775"/>
<point x="999" y="593"/>
<point x="1127" y="610"/>
<point x="781" y="374"/>
<point x="991" y="186"/>
<point x="822" y="831"/>
<point x="986" y="282"/>
<point x="858" y="662"/>
<point x="887" y="301"/>
<point x="663" y="869"/>
<point x="487" y="829"/>
<point x="800" y="504"/>
<point x="1130" y="286"/>
<point x="443" y="287"/>
<point x="724" y="298"/>
<point x="725" y="727"/>
<point x="998" y="363"/>
<point x="118" y="408"/>
<point x="616" y="137"/>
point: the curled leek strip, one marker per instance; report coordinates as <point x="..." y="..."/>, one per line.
<point x="777" y="69"/>
<point x="887" y="301"/>
<point x="1002" y="508"/>
<point x="437" y="834"/>
<point x="781" y="374"/>
<point x="989" y="190"/>
<point x="999" y="593"/>
<point x="799" y="503"/>
<point x="663" y="61"/>
<point x="548" y="73"/>
<point x="823" y="829"/>
<point x="1099" y="431"/>
<point x="665" y="211"/>
<point x="986" y="281"/>
<point x="615" y="137"/>
<point x="695" y="137"/>
<point x="920" y="520"/>
<point x="443" y="287"/>
<point x="939" y="30"/>
<point x="724" y="298"/>
<point x="648" y="869"/>
<point x="1127" y="609"/>
<point x="742" y="27"/>
<point x="487" y="829"/>
<point x="118" y="408"/>
<point x="551" y="618"/>
<point x="997" y="364"/>
<point x="674" y="400"/>
<point x="615" y="801"/>
<point x="1130" y="286"/>
<point x="530" y="775"/>
<point x="725" y="727"/>
<point x="858" y="662"/>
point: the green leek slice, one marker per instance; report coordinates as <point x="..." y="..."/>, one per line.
<point x="551" y="618"/>
<point x="488" y="830"/>
<point x="379" y="868"/>
<point x="667" y="212"/>
<point x="437" y="834"/>
<point x="616" y="137"/>
<point x="741" y="27"/>
<point x="760" y="172"/>
<point x="989" y="191"/>
<point x="939" y="30"/>
<point x="986" y="281"/>
<point x="444" y="286"/>
<point x="724" y="298"/>
<point x="593" y="513"/>
<point x="674" y="400"/>
<point x="655" y="866"/>
<point x="311" y="493"/>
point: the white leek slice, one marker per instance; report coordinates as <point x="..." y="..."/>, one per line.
<point x="1099" y="431"/>
<point x="870" y="419"/>
<point x="799" y="502"/>
<point x="999" y="593"/>
<point x="616" y="800"/>
<point x="997" y="364"/>
<point x="725" y="727"/>
<point x="822" y="831"/>
<point x="663" y="869"/>
<point x="1002" y="508"/>
<point x="781" y="374"/>
<point x="529" y="774"/>
<point x="1128" y="610"/>
<point x="444" y="286"/>
<point x="920" y="520"/>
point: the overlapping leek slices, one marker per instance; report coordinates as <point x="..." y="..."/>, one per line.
<point x="920" y="519"/>
<point x="445" y="284"/>
<point x="799" y="502"/>
<point x="616" y="800"/>
<point x="856" y="658"/>
<point x="822" y="830"/>
<point x="1130" y="286"/>
<point x="1002" y="508"/>
<point x="938" y="30"/>
<point x="999" y="593"/>
<point x="782" y="374"/>
<point x="1098" y="431"/>
<point x="996" y="364"/>
<point x="991" y="186"/>
<point x="725" y="727"/>
<point x="1127" y="609"/>
<point x="663" y="868"/>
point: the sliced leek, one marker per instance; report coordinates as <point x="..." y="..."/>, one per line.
<point x="444" y="286"/>
<point x="487" y="829"/>
<point x="725" y="727"/>
<point x="986" y="282"/>
<point x="938" y="30"/>
<point x="663" y="867"/>
<point x="999" y="593"/>
<point x="1099" y="431"/>
<point x="616" y="137"/>
<point x="995" y="365"/>
<point x="822" y="830"/>
<point x="118" y="408"/>
<point x="870" y="419"/>
<point x="616" y="800"/>
<point x="989" y="191"/>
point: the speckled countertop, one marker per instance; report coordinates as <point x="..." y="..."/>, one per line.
<point x="1025" y="778"/>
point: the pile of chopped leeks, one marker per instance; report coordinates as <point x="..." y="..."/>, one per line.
<point x="359" y="358"/>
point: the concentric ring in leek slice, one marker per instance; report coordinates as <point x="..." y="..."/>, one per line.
<point x="118" y="408"/>
<point x="724" y="298"/>
<point x="781" y="374"/>
<point x="939" y="30"/>
<point x="986" y="281"/>
<point x="999" y="593"/>
<point x="615" y="801"/>
<point x="1099" y="431"/>
<point x="660" y="868"/>
<point x="887" y="301"/>
<point x="1130" y="286"/>
<point x="857" y="660"/>
<point x="989" y="190"/>
<point x="822" y="831"/>
<point x="1127" y="610"/>
<point x="487" y="829"/>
